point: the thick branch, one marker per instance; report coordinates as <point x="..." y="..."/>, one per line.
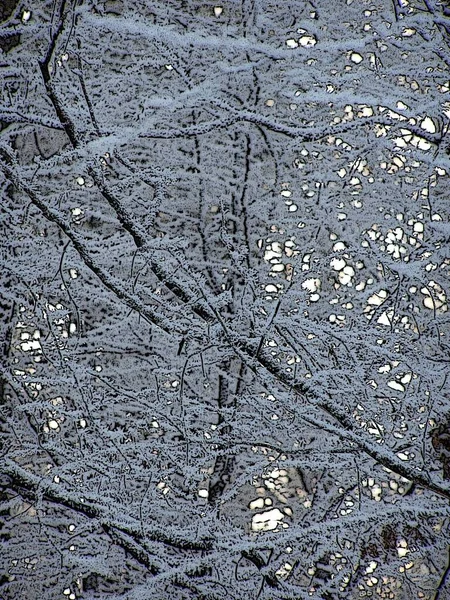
<point x="44" y="66"/>
<point x="110" y="516"/>
<point x="109" y="281"/>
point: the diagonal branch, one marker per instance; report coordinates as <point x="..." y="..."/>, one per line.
<point x="263" y="366"/>
<point x="110" y="516"/>
<point x="110" y="281"/>
<point x="44" y="66"/>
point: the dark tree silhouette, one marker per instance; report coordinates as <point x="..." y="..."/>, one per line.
<point x="225" y="254"/>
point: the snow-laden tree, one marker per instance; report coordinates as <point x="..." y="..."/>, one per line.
<point x="225" y="254"/>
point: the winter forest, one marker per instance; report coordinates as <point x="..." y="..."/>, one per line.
<point x="224" y="283"/>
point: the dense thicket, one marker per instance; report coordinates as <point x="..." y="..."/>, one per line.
<point x="225" y="253"/>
